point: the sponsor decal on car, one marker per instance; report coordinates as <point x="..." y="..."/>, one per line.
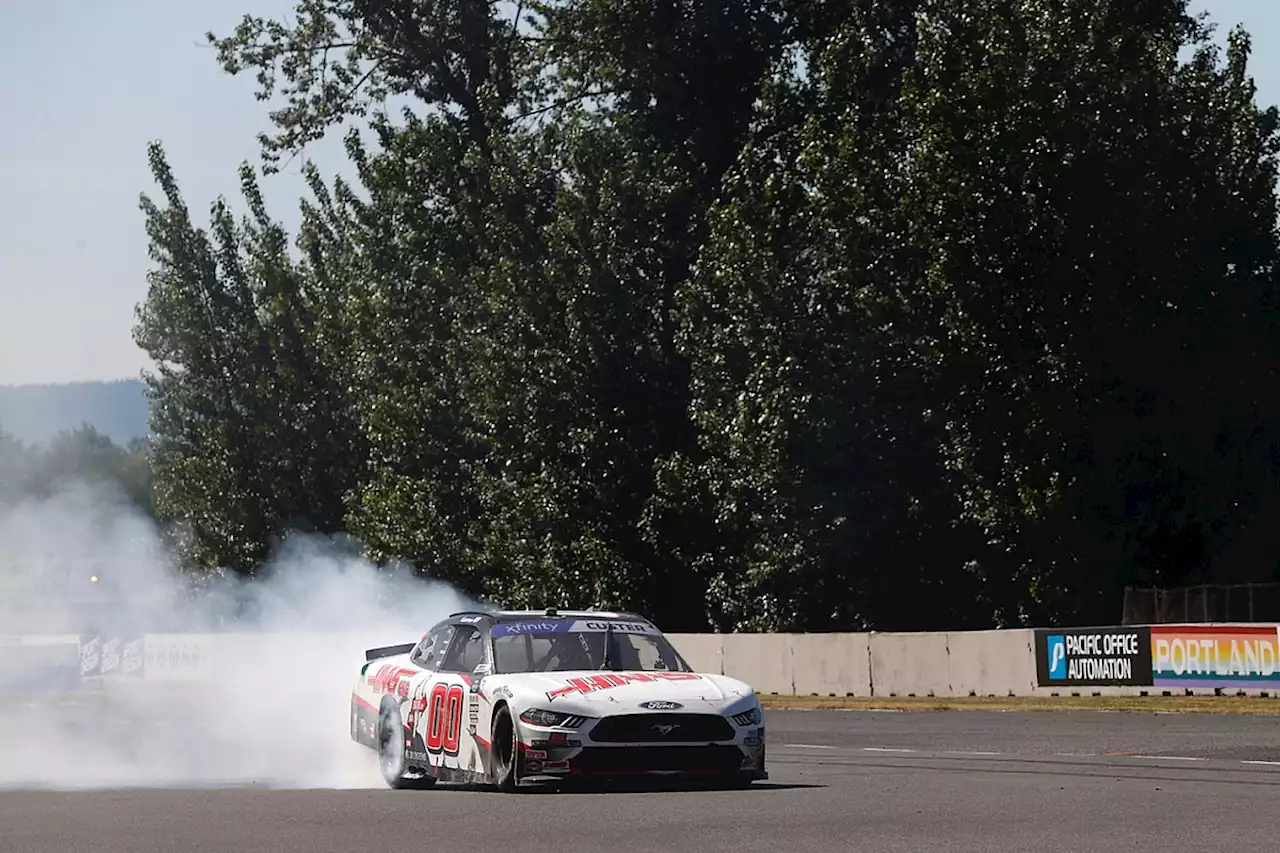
<point x="660" y="705"/>
<point x="620" y="627"/>
<point x="559" y="739"/>
<point x="388" y="679"/>
<point x="507" y="629"/>
<point x="565" y="626"/>
<point x="608" y="681"/>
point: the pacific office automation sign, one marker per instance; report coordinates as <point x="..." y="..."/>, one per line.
<point x="1093" y="657"/>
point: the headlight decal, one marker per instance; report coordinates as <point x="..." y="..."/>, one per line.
<point x="550" y="719"/>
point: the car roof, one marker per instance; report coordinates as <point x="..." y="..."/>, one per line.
<point x="552" y="613"/>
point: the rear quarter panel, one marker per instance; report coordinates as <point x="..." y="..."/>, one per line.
<point x="391" y="676"/>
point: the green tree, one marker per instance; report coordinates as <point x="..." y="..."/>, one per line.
<point x="249" y="433"/>
<point x="1099" y="227"/>
<point x="73" y="458"/>
<point x="15" y="461"/>
<point x="971" y="293"/>
<point x="518" y="376"/>
<point x="777" y="315"/>
<point x="815" y="470"/>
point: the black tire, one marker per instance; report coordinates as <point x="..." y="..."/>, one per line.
<point x="391" y="757"/>
<point x="504" y="751"/>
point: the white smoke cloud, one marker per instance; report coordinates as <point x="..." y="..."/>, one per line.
<point x="270" y="707"/>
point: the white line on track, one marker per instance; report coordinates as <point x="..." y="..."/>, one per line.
<point x="886" y="749"/>
<point x="969" y="752"/>
<point x="806" y="746"/>
<point x="1267" y="763"/>
<point x="1168" y="758"/>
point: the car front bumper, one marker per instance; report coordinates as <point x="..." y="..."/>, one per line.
<point x="550" y="756"/>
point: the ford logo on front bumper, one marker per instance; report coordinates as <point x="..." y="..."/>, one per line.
<point x="657" y="705"/>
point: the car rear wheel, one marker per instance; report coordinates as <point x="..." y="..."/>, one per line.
<point x="391" y="752"/>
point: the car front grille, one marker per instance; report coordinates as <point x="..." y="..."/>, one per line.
<point x="662" y="728"/>
<point x="643" y="759"/>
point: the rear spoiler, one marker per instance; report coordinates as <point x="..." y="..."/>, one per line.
<point x="388" y="651"/>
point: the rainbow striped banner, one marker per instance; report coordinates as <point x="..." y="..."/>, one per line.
<point x="1239" y="656"/>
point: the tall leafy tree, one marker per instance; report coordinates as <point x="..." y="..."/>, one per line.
<point x="814" y="469"/>
<point x="250" y="436"/>
<point x="74" y="458"/>
<point x="15" y="459"/>
<point x="775" y="315"/>
<point x="992" y="201"/>
<point x="519" y="429"/>
<point x="1070" y="187"/>
<point x="450" y="208"/>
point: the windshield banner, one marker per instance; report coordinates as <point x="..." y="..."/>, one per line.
<point x="561" y="626"/>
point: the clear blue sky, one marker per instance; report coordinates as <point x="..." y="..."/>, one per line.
<point x="89" y="84"/>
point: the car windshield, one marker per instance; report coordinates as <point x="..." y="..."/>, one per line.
<point x="564" y="645"/>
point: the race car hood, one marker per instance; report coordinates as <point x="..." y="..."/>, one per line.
<point x="601" y="693"/>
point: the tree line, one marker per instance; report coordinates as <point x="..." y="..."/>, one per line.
<point x="73" y="458"/>
<point x="766" y="315"/>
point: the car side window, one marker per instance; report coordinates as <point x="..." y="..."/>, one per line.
<point x="466" y="652"/>
<point x="427" y="654"/>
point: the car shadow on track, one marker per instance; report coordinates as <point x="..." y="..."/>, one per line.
<point x="640" y="788"/>
<point x="627" y="788"/>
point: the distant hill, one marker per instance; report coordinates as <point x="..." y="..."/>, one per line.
<point x="36" y="413"/>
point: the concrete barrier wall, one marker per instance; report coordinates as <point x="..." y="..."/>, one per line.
<point x="703" y="652"/>
<point x="766" y="656"/>
<point x="981" y="663"/>
<point x="941" y="664"/>
<point x="991" y="663"/>
<point x="830" y="664"/>
<point x="910" y="665"/>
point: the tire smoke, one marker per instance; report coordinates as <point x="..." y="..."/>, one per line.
<point x="269" y="706"/>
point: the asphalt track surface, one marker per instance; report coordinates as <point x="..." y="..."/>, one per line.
<point x="877" y="781"/>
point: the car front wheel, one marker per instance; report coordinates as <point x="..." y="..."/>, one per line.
<point x="504" y="751"/>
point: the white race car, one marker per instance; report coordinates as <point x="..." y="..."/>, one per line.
<point x="551" y="696"/>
